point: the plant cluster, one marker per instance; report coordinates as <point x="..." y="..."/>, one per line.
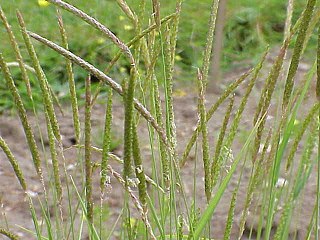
<point x="163" y="211"/>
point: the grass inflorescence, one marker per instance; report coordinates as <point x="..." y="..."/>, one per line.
<point x="255" y="141"/>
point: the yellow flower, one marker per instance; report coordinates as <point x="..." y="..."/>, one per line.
<point x="178" y="58"/>
<point x="100" y="40"/>
<point x="43" y="3"/>
<point x="127" y="27"/>
<point x="123" y="70"/>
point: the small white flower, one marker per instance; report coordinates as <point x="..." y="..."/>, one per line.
<point x="71" y="167"/>
<point x="31" y="193"/>
<point x="282" y="182"/>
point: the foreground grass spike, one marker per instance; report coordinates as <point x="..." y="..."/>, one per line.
<point x="244" y="100"/>
<point x="168" y="63"/>
<point x="266" y="96"/>
<point x="8" y="234"/>
<point x="158" y="112"/>
<point x="128" y="121"/>
<point x="228" y="228"/>
<point x="106" y="140"/>
<point x="256" y="177"/>
<point x="216" y="162"/>
<point x="299" y="134"/>
<point x="72" y="87"/>
<point x="103" y="77"/>
<point x="209" y="42"/>
<point x="296" y="55"/>
<point x="142" y="186"/>
<point x="23" y="116"/>
<point x="47" y="97"/>
<point x="205" y="140"/>
<point x="87" y="151"/>
<point x="230" y="89"/>
<point x="14" y="163"/>
<point x="54" y="159"/>
<point x="168" y="82"/>
<point x="270" y="82"/>
<point x="93" y="22"/>
<point x="16" y="49"/>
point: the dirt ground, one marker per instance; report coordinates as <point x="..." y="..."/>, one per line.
<point x="14" y="207"/>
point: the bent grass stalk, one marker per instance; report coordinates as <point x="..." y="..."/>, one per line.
<point x="101" y="76"/>
<point x="93" y="22"/>
<point x="135" y="39"/>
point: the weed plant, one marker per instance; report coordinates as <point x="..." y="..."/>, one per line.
<point x="156" y="205"/>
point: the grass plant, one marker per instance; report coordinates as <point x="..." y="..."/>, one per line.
<point x="157" y="203"/>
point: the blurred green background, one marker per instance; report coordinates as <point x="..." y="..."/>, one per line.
<point x="249" y="26"/>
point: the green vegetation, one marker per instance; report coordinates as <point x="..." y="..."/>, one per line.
<point x="136" y="53"/>
<point x="250" y="26"/>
